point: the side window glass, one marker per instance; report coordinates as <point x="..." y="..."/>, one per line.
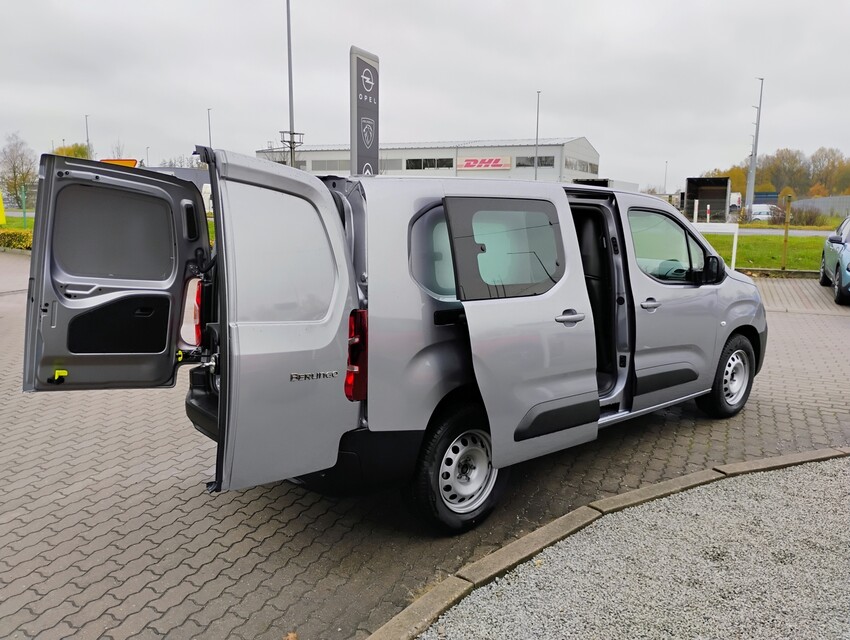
<point x="697" y="254"/>
<point x="661" y="246"/>
<point x="504" y="248"/>
<point x="138" y="226"/>
<point x="431" y="253"/>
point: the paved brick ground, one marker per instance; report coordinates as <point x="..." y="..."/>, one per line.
<point x="106" y="531"/>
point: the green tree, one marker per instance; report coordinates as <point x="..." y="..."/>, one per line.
<point x="18" y="169"/>
<point x="825" y="165"/>
<point x="76" y="150"/>
<point x="787" y="168"/>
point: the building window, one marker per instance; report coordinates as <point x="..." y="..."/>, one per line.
<point x="330" y="165"/>
<point x="445" y="163"/>
<point x="581" y="165"/>
<point x="301" y="164"/>
<point x="413" y="164"/>
<point x="390" y="164"/>
<point x="429" y="163"/>
<point x="542" y="161"/>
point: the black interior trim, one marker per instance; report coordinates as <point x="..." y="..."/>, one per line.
<point x="137" y="324"/>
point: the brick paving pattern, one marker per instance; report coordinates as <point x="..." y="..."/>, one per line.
<point x="106" y="530"/>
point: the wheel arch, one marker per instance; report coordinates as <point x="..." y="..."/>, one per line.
<point x="752" y="335"/>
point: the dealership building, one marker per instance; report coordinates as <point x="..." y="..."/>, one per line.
<point x="558" y="159"/>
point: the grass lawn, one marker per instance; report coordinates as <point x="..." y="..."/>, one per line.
<point x="17" y="223"/>
<point x="765" y="252"/>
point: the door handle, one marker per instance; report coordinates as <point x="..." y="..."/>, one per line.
<point x="79" y="290"/>
<point x="569" y="317"/>
<point x="651" y="304"/>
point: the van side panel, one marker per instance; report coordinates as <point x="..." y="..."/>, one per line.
<point x="413" y="363"/>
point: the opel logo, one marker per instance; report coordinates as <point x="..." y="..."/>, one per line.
<point x="367" y="79"/>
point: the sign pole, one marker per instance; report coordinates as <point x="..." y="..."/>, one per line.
<point x="363" y="78"/>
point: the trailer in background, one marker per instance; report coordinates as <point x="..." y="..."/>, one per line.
<point x="704" y="195"/>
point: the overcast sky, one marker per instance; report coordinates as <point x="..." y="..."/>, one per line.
<point x="645" y="81"/>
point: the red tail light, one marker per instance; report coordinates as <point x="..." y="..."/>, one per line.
<point x="197" y="314"/>
<point x="358" y="355"/>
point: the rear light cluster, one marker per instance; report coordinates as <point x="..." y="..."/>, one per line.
<point x="358" y="355"/>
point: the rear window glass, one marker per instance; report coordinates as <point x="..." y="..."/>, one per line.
<point x="101" y="232"/>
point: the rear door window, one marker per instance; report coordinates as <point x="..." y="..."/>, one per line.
<point x="504" y="247"/>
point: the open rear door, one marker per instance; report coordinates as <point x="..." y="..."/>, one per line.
<point x="285" y="279"/>
<point x="113" y="250"/>
<point x="519" y="276"/>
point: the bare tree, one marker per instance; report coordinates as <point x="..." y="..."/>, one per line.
<point x="17" y="167"/>
<point x="117" y="149"/>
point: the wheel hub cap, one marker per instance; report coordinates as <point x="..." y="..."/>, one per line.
<point x="467" y="475"/>
<point x="736" y="376"/>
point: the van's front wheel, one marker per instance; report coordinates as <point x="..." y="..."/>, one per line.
<point x="733" y="379"/>
<point x="456" y="486"/>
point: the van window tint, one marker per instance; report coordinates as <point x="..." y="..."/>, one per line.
<point x="286" y="270"/>
<point x="139" y="228"/>
<point x="663" y="249"/>
<point x="519" y="247"/>
<point x="505" y="247"/>
<point x="431" y="253"/>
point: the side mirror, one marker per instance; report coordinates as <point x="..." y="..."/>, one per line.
<point x="714" y="270"/>
<point x="835" y="239"/>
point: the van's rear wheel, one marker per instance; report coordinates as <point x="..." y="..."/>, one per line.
<point x="733" y="379"/>
<point x="456" y="486"/>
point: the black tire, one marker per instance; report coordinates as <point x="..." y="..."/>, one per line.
<point x="824" y="279"/>
<point x="837" y="293"/>
<point x="733" y="379"/>
<point x="441" y="480"/>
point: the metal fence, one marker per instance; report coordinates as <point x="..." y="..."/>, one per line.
<point x="833" y="205"/>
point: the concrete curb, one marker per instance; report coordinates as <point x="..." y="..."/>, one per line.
<point x="419" y="615"/>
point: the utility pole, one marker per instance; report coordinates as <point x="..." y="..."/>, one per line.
<point x="88" y="144"/>
<point x="209" y="125"/>
<point x="290" y="138"/>
<point x="785" y="239"/>
<point x="751" y="176"/>
<point x="147" y="156"/>
<point x="665" y="177"/>
<point x="536" y="135"/>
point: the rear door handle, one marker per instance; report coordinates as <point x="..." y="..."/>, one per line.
<point x="569" y="317"/>
<point x="650" y="303"/>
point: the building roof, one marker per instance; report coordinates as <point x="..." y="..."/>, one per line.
<point x="457" y="144"/>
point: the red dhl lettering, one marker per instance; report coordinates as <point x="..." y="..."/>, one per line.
<point x="483" y="163"/>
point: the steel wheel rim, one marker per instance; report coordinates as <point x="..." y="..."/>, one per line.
<point x="736" y="376"/>
<point x="466" y="474"/>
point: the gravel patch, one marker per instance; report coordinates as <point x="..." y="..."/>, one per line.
<point x="764" y="555"/>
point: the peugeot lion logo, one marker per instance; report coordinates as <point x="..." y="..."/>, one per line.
<point x="367" y="80"/>
<point x="367" y="130"/>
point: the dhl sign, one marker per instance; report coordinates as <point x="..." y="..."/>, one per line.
<point x="501" y="162"/>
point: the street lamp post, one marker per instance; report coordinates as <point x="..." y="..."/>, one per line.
<point x="751" y="176"/>
<point x="147" y="156"/>
<point x="88" y="144"/>
<point x="665" y="177"/>
<point x="209" y="125"/>
<point x="291" y="100"/>
<point x="536" y="135"/>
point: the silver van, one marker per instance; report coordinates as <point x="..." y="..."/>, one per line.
<point x="347" y="331"/>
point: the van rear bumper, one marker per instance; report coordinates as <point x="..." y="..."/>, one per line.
<point x="202" y="403"/>
<point x="369" y="460"/>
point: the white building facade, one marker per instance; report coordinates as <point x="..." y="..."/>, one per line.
<point x="558" y="159"/>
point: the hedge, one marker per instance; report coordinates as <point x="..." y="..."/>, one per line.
<point x="16" y="238"/>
